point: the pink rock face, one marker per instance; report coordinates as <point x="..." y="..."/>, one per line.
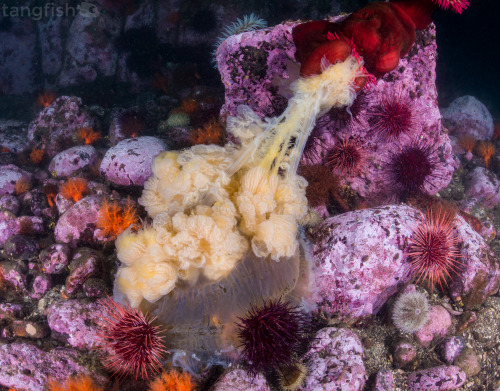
<point x="9" y="175"/>
<point x="75" y="322"/>
<point x="358" y="259"/>
<point x="129" y="162"/>
<point x="335" y="362"/>
<point x="69" y="161"/>
<point x="480" y="275"/>
<point x="257" y="68"/>
<point x="25" y="367"/>
<point x="238" y="379"/>
<point x="436" y="327"/>
<point x="56" y="125"/>
<point x="77" y="225"/>
<point x="384" y="381"/>
<point x="468" y="116"/>
<point x="8" y="226"/>
<point x="442" y="378"/>
<point x="483" y="185"/>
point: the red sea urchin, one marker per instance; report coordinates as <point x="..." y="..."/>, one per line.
<point x="131" y="345"/>
<point x="347" y="156"/>
<point x="412" y="167"/>
<point x="271" y="335"/>
<point x="456" y="5"/>
<point x="433" y="252"/>
<point x="393" y="116"/>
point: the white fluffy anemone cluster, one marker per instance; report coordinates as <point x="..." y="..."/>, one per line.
<point x="210" y="205"/>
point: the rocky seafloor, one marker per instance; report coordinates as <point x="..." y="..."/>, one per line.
<point x="58" y="257"/>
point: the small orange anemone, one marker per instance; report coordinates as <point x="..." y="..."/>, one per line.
<point x="467" y="143"/>
<point x="22" y="185"/>
<point x="80" y="383"/>
<point x="211" y="133"/>
<point x="50" y="190"/>
<point x="74" y="189"/>
<point x="172" y="380"/>
<point x="46" y="98"/>
<point x="36" y="155"/>
<point x="88" y="135"/>
<point x="486" y="150"/>
<point x="115" y="218"/>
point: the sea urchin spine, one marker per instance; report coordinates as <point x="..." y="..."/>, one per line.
<point x="410" y="312"/>
<point x="131" y="345"/>
<point x="271" y="334"/>
<point x="433" y="252"/>
<point x="347" y="156"/>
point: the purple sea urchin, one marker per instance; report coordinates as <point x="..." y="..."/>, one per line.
<point x="412" y="167"/>
<point x="131" y="344"/>
<point x="410" y="312"/>
<point x="347" y="156"/>
<point x="271" y="334"/>
<point x="393" y="116"/>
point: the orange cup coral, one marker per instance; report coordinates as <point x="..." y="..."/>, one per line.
<point x="114" y="218"/>
<point x="172" y="380"/>
<point x="88" y="135"/>
<point x="486" y="150"/>
<point x="80" y="383"/>
<point x="36" y="155"/>
<point x="74" y="189"/>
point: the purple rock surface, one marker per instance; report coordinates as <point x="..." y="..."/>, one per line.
<point x="451" y="348"/>
<point x="257" y="67"/>
<point x="335" y="361"/>
<point x="9" y="175"/>
<point x="86" y="263"/>
<point x="27" y="368"/>
<point x="129" y="162"/>
<point x="384" y="381"/>
<point x="358" y="259"/>
<point x="8" y="226"/>
<point x="238" y="379"/>
<point x="468" y="116"/>
<point x="74" y="322"/>
<point x="442" y="378"/>
<point x="77" y="225"/>
<point x="56" y="125"/>
<point x="484" y="186"/>
<point x="69" y="161"/>
<point x="404" y="352"/>
<point x="10" y="203"/>
<point x="14" y="135"/>
<point x="55" y="258"/>
<point x="436" y="327"/>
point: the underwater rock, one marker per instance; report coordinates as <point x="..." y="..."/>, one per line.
<point x="77" y="225"/>
<point x="484" y="186"/>
<point x="404" y="352"/>
<point x="90" y="49"/>
<point x="26" y="367"/>
<point x="55" y="258"/>
<point x="51" y="33"/>
<point x="468" y="361"/>
<point x="86" y="263"/>
<point x="74" y="322"/>
<point x="21" y="248"/>
<point x="9" y="175"/>
<point x="8" y="226"/>
<point x="335" y="361"/>
<point x="10" y="203"/>
<point x="69" y="161"/>
<point x="436" y="327"/>
<point x="257" y="68"/>
<point x="129" y="162"/>
<point x="10" y="310"/>
<point x="19" y="65"/>
<point x="384" y="381"/>
<point x="56" y="125"/>
<point x="14" y="276"/>
<point x="30" y="329"/>
<point x="451" y="348"/>
<point x="480" y="275"/>
<point x="468" y="116"/>
<point x="14" y="135"/>
<point x="41" y="285"/>
<point x="442" y="378"/>
<point x="358" y="259"/>
<point x="238" y="379"/>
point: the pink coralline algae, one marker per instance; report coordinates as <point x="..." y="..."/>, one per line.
<point x="257" y="68"/>
<point x="360" y="259"/>
<point x="335" y="362"/>
<point x="56" y="125"/>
